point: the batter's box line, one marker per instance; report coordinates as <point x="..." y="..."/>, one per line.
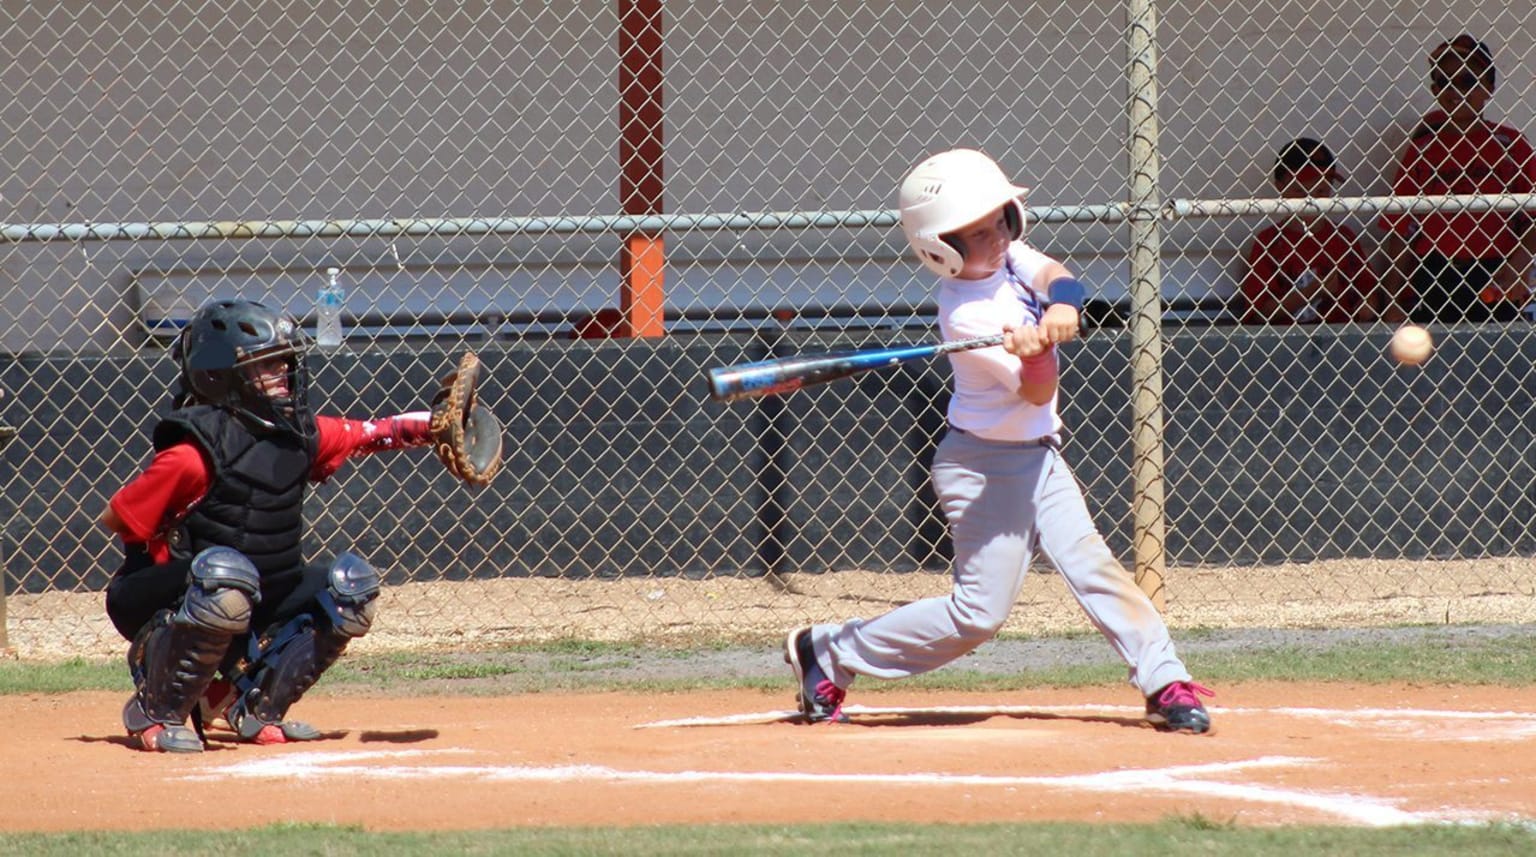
<point x="1521" y="722"/>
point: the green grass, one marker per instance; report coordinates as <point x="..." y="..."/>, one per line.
<point x="1193" y="836"/>
<point x="63" y="676"/>
<point x="1433" y="658"/>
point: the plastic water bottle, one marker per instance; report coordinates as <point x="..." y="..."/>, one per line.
<point x="328" y="303"/>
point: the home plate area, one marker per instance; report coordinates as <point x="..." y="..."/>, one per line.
<point x="1399" y="756"/>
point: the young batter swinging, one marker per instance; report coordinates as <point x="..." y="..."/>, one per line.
<point x="998" y="473"/>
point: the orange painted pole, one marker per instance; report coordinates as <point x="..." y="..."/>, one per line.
<point x="642" y="260"/>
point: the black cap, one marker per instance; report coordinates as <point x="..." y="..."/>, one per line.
<point x="1475" y="55"/>
<point x="1464" y="54"/>
<point x="1305" y="152"/>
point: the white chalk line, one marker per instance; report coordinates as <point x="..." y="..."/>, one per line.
<point x="1417" y="723"/>
<point x="1177" y="780"/>
<point x="1188" y="780"/>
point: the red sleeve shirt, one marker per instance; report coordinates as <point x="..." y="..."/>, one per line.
<point x="1295" y="256"/>
<point x="176" y="478"/>
<point x="179" y="475"/>
<point x="1442" y="160"/>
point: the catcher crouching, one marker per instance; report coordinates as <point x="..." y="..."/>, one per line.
<point x="225" y="618"/>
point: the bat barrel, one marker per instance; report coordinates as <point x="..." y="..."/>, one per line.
<point x="751" y="380"/>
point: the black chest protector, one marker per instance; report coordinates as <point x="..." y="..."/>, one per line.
<point x="255" y="501"/>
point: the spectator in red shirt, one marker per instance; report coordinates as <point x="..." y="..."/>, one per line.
<point x="213" y="576"/>
<point x="1307" y="269"/>
<point x="1462" y="265"/>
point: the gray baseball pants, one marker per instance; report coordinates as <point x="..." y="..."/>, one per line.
<point x="1003" y="500"/>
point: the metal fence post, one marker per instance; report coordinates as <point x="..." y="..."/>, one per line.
<point x="1149" y="512"/>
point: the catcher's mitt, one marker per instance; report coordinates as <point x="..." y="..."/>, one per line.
<point x="465" y="434"/>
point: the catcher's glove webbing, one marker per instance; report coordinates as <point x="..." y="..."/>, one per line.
<point x="465" y="434"/>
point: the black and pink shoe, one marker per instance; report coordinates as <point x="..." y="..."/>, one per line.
<point x="1177" y="708"/>
<point x="820" y="700"/>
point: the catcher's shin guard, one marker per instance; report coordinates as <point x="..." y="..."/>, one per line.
<point x="284" y="665"/>
<point x="176" y="655"/>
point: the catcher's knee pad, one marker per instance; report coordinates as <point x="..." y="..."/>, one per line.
<point x="175" y="656"/>
<point x="349" y="594"/>
<point x="225" y="587"/>
<point x="283" y="665"/>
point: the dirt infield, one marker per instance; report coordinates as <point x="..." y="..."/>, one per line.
<point x="1317" y="754"/>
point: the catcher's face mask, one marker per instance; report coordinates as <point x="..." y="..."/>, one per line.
<point x="248" y="358"/>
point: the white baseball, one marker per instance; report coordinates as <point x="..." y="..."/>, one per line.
<point x="1412" y="345"/>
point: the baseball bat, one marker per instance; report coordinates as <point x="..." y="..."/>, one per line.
<point x="786" y="374"/>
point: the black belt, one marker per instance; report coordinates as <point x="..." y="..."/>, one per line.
<point x="1049" y="441"/>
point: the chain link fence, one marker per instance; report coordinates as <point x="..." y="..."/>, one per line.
<point x="606" y="199"/>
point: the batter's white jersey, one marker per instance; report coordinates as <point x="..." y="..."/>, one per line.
<point x="986" y="398"/>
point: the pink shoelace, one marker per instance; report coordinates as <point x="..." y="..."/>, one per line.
<point x="1185" y="693"/>
<point x="833" y="695"/>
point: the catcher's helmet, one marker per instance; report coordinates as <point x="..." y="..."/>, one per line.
<point x="948" y="191"/>
<point x="223" y="338"/>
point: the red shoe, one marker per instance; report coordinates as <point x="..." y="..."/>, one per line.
<point x="160" y="738"/>
<point x="284" y="732"/>
<point x="270" y="734"/>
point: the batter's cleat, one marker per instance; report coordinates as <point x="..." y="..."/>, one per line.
<point x="160" y="738"/>
<point x="820" y="700"/>
<point x="1177" y="708"/>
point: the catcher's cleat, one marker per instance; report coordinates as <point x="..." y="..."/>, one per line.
<point x="253" y="730"/>
<point x="160" y="738"/>
<point x="284" y="732"/>
<point x="1177" y="708"/>
<point x="820" y="700"/>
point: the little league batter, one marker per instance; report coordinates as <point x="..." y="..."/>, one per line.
<point x="998" y="473"/>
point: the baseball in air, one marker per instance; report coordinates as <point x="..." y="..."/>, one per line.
<point x="1412" y="345"/>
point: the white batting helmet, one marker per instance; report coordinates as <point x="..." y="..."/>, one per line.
<point x="950" y="190"/>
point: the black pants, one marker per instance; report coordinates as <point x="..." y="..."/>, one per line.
<point x="140" y="589"/>
<point x="1450" y="290"/>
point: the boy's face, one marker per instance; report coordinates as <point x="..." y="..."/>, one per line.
<point x="984" y="244"/>
<point x="1461" y="87"/>
<point x="1309" y="181"/>
<point x="269" y="376"/>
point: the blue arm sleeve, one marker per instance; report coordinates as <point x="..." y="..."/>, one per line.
<point x="1067" y="290"/>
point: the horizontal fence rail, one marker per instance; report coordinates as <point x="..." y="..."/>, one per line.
<point x="472" y="226"/>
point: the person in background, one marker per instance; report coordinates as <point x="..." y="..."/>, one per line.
<point x="1306" y="268"/>
<point x="1462" y="264"/>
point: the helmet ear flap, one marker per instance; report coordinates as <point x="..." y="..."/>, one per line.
<point x="1013" y="215"/>
<point x="941" y="255"/>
